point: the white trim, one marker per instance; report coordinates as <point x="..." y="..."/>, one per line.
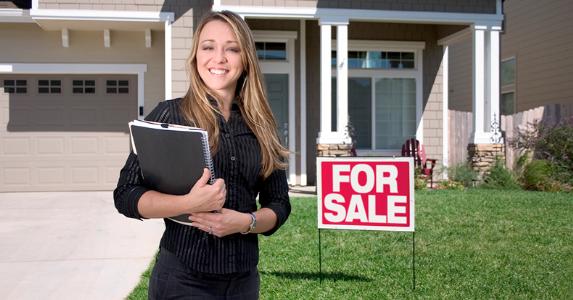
<point x="302" y="44"/>
<point x="374" y="15"/>
<point x="64" y="68"/>
<point x="140" y="94"/>
<point x="168" y="60"/>
<point x="65" y="38"/>
<point x="137" y="69"/>
<point x="216" y="3"/>
<point x="342" y="78"/>
<point x="106" y="38"/>
<point x="271" y="35"/>
<point x="35" y="4"/>
<point x="494" y="78"/>
<point x="15" y="15"/>
<point x="284" y="67"/>
<point x="147" y="38"/>
<point x="101" y="15"/>
<point x="445" y="109"/>
<point x="291" y="113"/>
<point x="325" y="84"/>
<point x="478" y="98"/>
<point x="419" y="57"/>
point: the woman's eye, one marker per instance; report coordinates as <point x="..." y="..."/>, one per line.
<point x="235" y="50"/>
<point x="207" y="48"/>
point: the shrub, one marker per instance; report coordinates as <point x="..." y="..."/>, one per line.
<point x="538" y="175"/>
<point x="553" y="144"/>
<point x="499" y="177"/>
<point x="464" y="174"/>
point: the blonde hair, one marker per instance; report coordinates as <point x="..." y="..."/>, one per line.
<point x="250" y="96"/>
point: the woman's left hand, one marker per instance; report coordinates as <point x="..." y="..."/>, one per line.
<point x="221" y="223"/>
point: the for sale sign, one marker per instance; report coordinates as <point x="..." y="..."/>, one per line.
<point x="366" y="193"/>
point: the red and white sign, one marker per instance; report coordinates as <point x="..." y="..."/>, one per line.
<point x="366" y="193"/>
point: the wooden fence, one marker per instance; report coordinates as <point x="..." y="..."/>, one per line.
<point x="461" y="127"/>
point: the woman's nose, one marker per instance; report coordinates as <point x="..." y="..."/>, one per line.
<point x="220" y="56"/>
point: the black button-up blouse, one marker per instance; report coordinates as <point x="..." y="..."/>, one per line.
<point x="238" y="162"/>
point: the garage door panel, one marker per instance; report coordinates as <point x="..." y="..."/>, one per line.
<point x="85" y="175"/>
<point x="16" y="176"/>
<point x="84" y="145"/>
<point x="50" y="145"/>
<point x="64" y="142"/>
<point x="51" y="175"/>
<point x="116" y="145"/>
<point x="16" y="146"/>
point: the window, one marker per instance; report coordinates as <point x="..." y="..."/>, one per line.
<point x="49" y="86"/>
<point x="117" y="86"/>
<point x="272" y="51"/>
<point x="83" y="86"/>
<point x="382" y="111"/>
<point x="507" y="101"/>
<point x="378" y="60"/>
<point x="15" y="86"/>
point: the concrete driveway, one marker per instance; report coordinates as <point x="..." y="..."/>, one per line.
<point x="71" y="245"/>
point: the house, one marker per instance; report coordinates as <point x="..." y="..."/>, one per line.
<point x="74" y="72"/>
<point x="535" y="72"/>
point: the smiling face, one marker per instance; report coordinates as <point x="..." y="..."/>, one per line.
<point x="219" y="62"/>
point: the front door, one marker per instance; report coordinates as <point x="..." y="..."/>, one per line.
<point x="278" y="93"/>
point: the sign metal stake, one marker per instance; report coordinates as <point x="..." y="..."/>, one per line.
<point x="413" y="260"/>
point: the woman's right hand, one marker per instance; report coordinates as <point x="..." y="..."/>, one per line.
<point x="205" y="197"/>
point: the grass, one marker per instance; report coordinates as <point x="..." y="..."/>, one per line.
<point x="469" y="244"/>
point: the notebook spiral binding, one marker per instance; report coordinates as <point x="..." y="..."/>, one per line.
<point x="207" y="156"/>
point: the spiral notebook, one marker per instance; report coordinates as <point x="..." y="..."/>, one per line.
<point x="171" y="157"/>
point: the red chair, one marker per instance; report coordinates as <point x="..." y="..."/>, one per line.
<point x="413" y="148"/>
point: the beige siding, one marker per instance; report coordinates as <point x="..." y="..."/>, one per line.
<point x="460" y="75"/>
<point x="31" y="44"/>
<point x="538" y="34"/>
<point x="134" y="5"/>
<point x="460" y="6"/>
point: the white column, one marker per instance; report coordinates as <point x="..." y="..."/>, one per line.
<point x="494" y="90"/>
<point x="479" y="86"/>
<point x="302" y="46"/>
<point x="168" y="70"/>
<point x="342" y="78"/>
<point x="486" y="85"/>
<point x="445" y="109"/>
<point x="325" y="85"/>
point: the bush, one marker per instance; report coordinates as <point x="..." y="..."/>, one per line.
<point x="464" y="174"/>
<point x="538" y="175"/>
<point x="499" y="177"/>
<point x="553" y="144"/>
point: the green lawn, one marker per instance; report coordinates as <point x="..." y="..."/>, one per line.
<point x="472" y="244"/>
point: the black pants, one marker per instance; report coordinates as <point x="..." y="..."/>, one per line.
<point x="171" y="280"/>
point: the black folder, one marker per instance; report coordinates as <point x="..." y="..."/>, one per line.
<point x="171" y="157"/>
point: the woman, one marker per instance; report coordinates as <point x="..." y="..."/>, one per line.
<point x="216" y="257"/>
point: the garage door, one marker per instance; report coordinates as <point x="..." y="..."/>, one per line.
<point x="64" y="133"/>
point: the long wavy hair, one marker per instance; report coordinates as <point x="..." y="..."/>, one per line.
<point x="250" y="96"/>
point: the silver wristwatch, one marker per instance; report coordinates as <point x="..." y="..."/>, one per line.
<point x="253" y="224"/>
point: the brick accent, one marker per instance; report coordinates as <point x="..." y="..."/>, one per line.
<point x="483" y="156"/>
<point x="334" y="150"/>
